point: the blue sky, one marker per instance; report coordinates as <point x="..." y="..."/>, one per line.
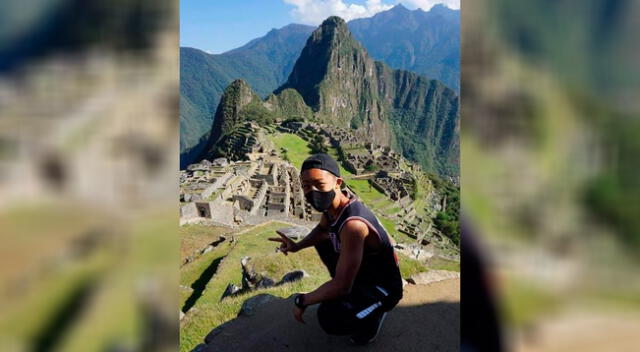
<point x="220" y="25"/>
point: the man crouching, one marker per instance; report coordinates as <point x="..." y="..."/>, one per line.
<point x="365" y="278"/>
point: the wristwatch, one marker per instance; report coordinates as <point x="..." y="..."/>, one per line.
<point x="298" y="301"/>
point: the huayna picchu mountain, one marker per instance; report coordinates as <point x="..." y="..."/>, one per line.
<point x="334" y="81"/>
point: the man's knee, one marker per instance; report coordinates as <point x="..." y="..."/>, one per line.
<point x="336" y="318"/>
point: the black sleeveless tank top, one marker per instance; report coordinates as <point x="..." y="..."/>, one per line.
<point x="378" y="267"/>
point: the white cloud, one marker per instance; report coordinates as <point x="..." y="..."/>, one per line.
<point x="316" y="11"/>
<point x="426" y="5"/>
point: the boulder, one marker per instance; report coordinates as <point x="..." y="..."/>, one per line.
<point x="265" y="282"/>
<point x="295" y="232"/>
<point x="231" y="290"/>
<point x="200" y="348"/>
<point x="250" y="306"/>
<point x="293" y="276"/>
<point x="249" y="277"/>
<point x="215" y="332"/>
<point x="220" y="162"/>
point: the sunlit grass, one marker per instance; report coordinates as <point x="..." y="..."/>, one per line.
<point x="209" y="311"/>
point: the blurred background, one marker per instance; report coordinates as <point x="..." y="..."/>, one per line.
<point x="89" y="159"/>
<point x="88" y="175"/>
<point x="550" y="169"/>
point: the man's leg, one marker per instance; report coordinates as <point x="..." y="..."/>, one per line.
<point x="328" y="256"/>
<point x="359" y="311"/>
<point x="336" y="317"/>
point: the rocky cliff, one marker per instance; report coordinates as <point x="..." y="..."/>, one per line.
<point x="334" y="81"/>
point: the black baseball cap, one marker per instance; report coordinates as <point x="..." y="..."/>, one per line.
<point x="321" y="161"/>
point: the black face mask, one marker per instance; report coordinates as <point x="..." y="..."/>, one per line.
<point x="320" y="201"/>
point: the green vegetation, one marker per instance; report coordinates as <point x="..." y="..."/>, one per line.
<point x="317" y="145"/>
<point x="448" y="220"/>
<point x="257" y="113"/>
<point x="266" y="62"/>
<point x="296" y="148"/>
<point x="439" y="263"/>
<point x="209" y="312"/>
<point x="408" y="266"/>
<point x="428" y="138"/>
<point x="195" y="237"/>
<point x="203" y="77"/>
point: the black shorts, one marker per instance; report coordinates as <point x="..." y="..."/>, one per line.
<point x="343" y="316"/>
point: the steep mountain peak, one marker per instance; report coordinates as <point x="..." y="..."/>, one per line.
<point x="333" y="21"/>
<point x="235" y="97"/>
<point x="440" y="7"/>
<point x="329" y="49"/>
<point x="333" y="28"/>
<point x="442" y="10"/>
<point x="238" y="83"/>
<point x="399" y="8"/>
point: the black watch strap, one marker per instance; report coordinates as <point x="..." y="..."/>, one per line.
<point x="298" y="301"/>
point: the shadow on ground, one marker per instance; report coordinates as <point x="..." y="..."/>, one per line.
<point x="430" y="326"/>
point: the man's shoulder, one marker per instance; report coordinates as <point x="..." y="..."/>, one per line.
<point x="354" y="226"/>
<point x="359" y="208"/>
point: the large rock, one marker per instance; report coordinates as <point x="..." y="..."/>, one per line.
<point x="220" y="162"/>
<point x="249" y="277"/>
<point x="433" y="276"/>
<point x="295" y="232"/>
<point x="231" y="290"/>
<point x="215" y="332"/>
<point x="293" y="276"/>
<point x="200" y="348"/>
<point x="250" y="306"/>
<point x="265" y="282"/>
<point x="414" y="251"/>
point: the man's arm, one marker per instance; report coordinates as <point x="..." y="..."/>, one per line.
<point x="318" y="234"/>
<point x="352" y="238"/>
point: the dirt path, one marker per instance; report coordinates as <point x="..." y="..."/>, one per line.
<point x="427" y="319"/>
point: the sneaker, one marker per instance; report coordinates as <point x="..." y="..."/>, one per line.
<point x="369" y="331"/>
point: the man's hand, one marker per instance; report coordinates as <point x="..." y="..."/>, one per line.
<point x="297" y="313"/>
<point x="286" y="244"/>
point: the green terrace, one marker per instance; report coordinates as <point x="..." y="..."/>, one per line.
<point x="296" y="150"/>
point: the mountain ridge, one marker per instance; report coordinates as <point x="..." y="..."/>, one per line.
<point x="334" y="81"/>
<point x="206" y="75"/>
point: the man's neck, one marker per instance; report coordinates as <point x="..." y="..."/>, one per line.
<point x="339" y="202"/>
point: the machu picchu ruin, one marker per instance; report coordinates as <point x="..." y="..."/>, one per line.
<point x="243" y="191"/>
<point x="260" y="185"/>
